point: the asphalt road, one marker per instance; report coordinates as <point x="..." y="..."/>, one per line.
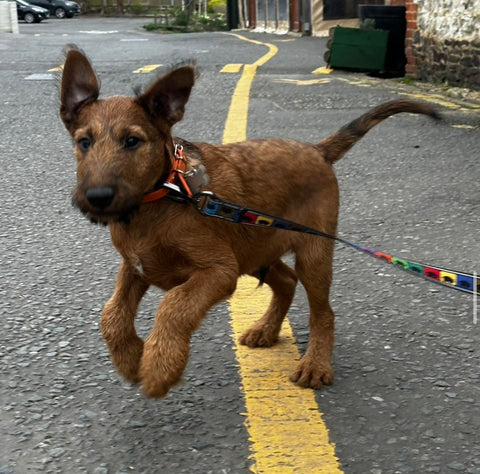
<point x="406" y="398"/>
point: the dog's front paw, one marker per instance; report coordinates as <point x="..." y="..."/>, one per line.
<point x="259" y="335"/>
<point x="126" y="355"/>
<point x="162" y="365"/>
<point x="311" y="374"/>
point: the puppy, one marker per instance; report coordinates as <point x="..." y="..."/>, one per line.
<point x="125" y="150"/>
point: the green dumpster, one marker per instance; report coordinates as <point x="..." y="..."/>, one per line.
<point x="358" y="49"/>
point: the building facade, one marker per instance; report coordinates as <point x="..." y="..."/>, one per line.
<point x="442" y="41"/>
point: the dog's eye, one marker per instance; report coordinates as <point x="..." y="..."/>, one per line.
<point x="131" y="143"/>
<point x="84" y="143"/>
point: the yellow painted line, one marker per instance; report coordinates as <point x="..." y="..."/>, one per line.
<point x="357" y="82"/>
<point x="309" y="82"/>
<point x="468" y="127"/>
<point x="444" y="102"/>
<point x="287" y="431"/>
<point x="146" y="69"/>
<point x="232" y="68"/>
<point x="443" y="99"/>
<point x="435" y="99"/>
<point x="272" y="49"/>
<point x="236" y="124"/>
<point x="322" y="70"/>
<point x="56" y="69"/>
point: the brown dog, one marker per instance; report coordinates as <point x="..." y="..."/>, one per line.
<point x="124" y="149"/>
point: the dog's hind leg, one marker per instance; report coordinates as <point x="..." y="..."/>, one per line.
<point x="314" y="269"/>
<point x="118" y="327"/>
<point x="264" y="333"/>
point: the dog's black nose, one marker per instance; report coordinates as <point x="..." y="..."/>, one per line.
<point x="100" y="197"/>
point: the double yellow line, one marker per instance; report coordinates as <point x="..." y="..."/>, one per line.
<point x="286" y="428"/>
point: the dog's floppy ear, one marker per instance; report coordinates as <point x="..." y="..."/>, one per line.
<point x="166" y="98"/>
<point x="80" y="85"/>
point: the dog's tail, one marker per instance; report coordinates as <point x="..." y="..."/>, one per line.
<point x="336" y="145"/>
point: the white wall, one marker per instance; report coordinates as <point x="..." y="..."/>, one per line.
<point x="8" y="17"/>
<point x="450" y="19"/>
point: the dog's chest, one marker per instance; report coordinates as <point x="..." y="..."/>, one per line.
<point x="160" y="265"/>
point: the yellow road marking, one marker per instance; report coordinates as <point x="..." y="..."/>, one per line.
<point x="232" y="68"/>
<point x="287" y="432"/>
<point x="468" y="127"/>
<point x="358" y="82"/>
<point x="146" y="69"/>
<point x="235" y="126"/>
<point x="444" y="102"/>
<point x="322" y="70"/>
<point x="309" y="82"/>
<point x="56" y="69"/>
<point x="435" y="99"/>
<point x="438" y="99"/>
<point x="272" y="49"/>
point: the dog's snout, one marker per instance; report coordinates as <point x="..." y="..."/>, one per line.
<point x="100" y="197"/>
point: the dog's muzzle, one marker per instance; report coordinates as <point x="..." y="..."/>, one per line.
<point x="100" y="197"/>
<point x="106" y="204"/>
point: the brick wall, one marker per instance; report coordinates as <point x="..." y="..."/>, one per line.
<point x="412" y="28"/>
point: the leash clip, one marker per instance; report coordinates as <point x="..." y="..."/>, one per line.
<point x="201" y="201"/>
<point x="175" y="193"/>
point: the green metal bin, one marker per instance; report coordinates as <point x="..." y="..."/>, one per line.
<point x="353" y="48"/>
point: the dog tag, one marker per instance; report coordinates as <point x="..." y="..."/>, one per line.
<point x="197" y="178"/>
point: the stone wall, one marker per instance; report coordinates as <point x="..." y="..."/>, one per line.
<point x="444" y="42"/>
<point x="456" y="62"/>
<point x="449" y="19"/>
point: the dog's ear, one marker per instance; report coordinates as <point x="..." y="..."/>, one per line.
<point x="80" y="85"/>
<point x="165" y="99"/>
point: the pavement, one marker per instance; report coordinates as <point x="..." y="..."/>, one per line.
<point x="407" y="389"/>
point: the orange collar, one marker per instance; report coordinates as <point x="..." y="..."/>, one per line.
<point x="177" y="171"/>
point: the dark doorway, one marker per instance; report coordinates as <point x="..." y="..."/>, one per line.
<point x="338" y="9"/>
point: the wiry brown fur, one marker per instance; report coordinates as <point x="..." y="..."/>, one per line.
<point x="196" y="259"/>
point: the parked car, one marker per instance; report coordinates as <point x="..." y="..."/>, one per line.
<point x="31" y="13"/>
<point x="59" y="8"/>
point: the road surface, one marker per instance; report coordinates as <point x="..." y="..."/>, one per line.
<point x="407" y="388"/>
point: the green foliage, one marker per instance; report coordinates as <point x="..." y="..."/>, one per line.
<point x="406" y="80"/>
<point x="217" y="6"/>
<point x="178" y="16"/>
<point x="177" y="19"/>
<point x="137" y="9"/>
<point x="151" y="26"/>
<point x="212" y="23"/>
